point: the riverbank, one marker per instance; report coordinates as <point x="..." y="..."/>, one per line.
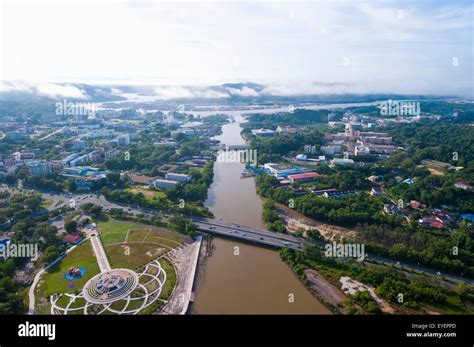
<point x="185" y="261"/>
<point x="294" y="221"/>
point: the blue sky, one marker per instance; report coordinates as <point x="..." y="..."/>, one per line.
<point x="296" y="47"/>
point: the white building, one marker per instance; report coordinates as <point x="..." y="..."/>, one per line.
<point x="310" y="149"/>
<point x="165" y="184"/>
<point x="79" y="145"/>
<point x="331" y="150"/>
<point x="361" y="150"/>
<point x="340" y="161"/>
<point x="124" y="140"/>
<point x="178" y="177"/>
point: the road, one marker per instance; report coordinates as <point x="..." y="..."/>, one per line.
<point x="248" y="234"/>
<point x="244" y="233"/>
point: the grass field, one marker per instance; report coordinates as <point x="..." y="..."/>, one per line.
<point x="114" y="231"/>
<point x="133" y="255"/>
<point x="170" y="281"/>
<point x="137" y="235"/>
<point x="148" y="193"/>
<point x="47" y="203"/>
<point x="139" y="248"/>
<point x="81" y="256"/>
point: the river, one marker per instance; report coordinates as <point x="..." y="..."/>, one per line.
<point x="238" y="277"/>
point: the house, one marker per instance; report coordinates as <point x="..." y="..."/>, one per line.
<point x="376" y="192"/>
<point x="417" y="205"/>
<point x="392" y="209"/>
<point x="73" y="238"/>
<point x="431" y="222"/>
<point x="303" y="177"/>
<point x="462" y="185"/>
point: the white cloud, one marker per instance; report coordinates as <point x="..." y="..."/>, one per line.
<point x="244" y="91"/>
<point x="200" y="42"/>
<point x="54" y="90"/>
<point x="175" y="92"/>
<point x="48" y="89"/>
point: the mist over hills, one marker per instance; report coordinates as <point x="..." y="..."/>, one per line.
<point x="22" y="96"/>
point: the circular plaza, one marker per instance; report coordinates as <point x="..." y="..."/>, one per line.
<point x="110" y="286"/>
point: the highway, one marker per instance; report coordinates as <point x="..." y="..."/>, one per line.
<point x="259" y="236"/>
<point x="244" y="233"/>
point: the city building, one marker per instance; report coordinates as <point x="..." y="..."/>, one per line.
<point x="78" y="145"/>
<point x="310" y="149"/>
<point x="178" y="177"/>
<point x="165" y="184"/>
<point x="303" y="177"/>
<point x="123" y="140"/>
<point x="281" y="170"/>
<point x="40" y="168"/>
<point x="69" y="158"/>
<point x="20" y="156"/>
<point x="361" y="150"/>
<point x="331" y="150"/>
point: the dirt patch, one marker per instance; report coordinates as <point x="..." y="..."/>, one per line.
<point x="325" y="291"/>
<point x="351" y="286"/>
<point x="435" y="171"/>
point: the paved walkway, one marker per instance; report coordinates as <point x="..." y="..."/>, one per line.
<point x="99" y="251"/>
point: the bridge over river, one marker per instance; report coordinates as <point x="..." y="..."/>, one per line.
<point x="245" y="233"/>
<point x="278" y="240"/>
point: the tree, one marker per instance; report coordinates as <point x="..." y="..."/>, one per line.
<point x="70" y="226"/>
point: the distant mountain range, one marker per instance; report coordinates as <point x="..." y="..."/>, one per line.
<point x="14" y="95"/>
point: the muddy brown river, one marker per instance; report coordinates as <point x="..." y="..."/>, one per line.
<point x="239" y="277"/>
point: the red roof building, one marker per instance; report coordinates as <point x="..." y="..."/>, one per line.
<point x="307" y="176"/>
<point x="72" y="238"/>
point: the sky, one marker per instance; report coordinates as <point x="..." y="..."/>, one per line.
<point x="423" y="47"/>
